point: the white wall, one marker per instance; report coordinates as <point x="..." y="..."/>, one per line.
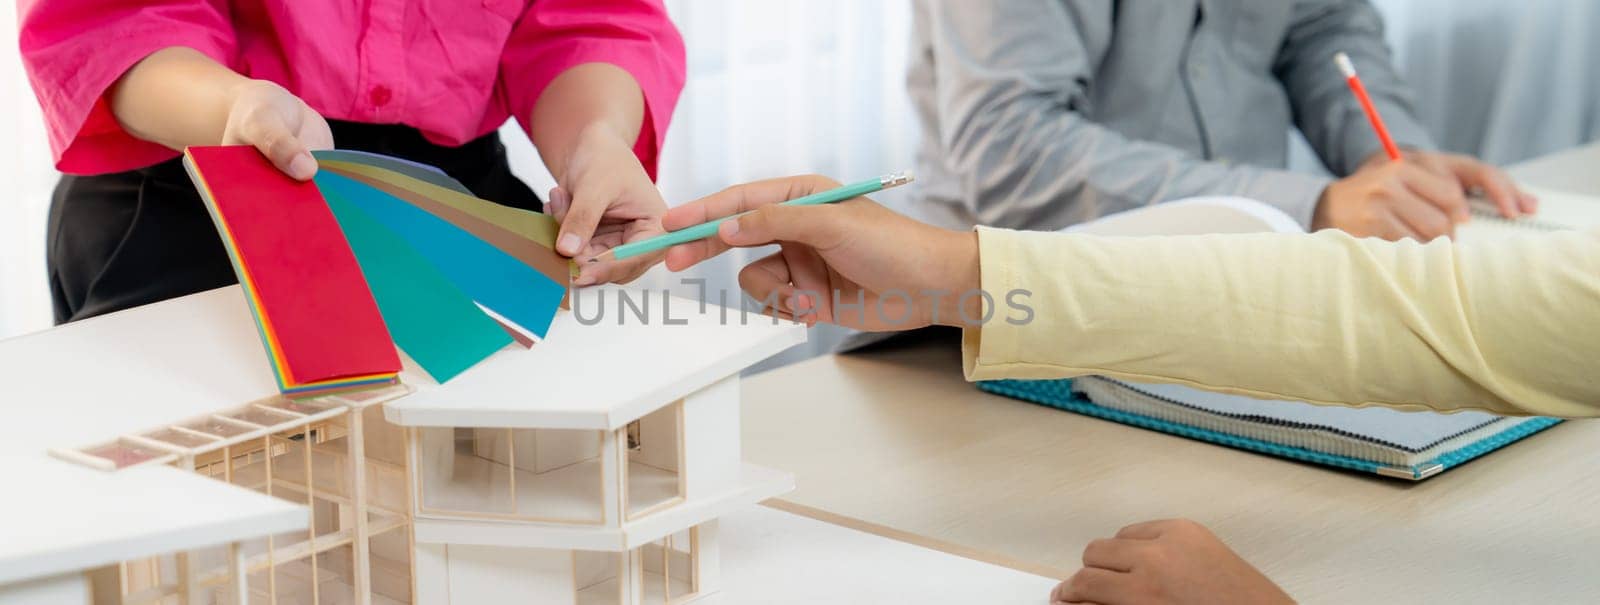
<point x="27" y="179"/>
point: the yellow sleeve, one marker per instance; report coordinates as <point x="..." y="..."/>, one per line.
<point x="1510" y="326"/>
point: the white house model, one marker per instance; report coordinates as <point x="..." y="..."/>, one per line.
<point x="590" y="468"/>
<point x="593" y="467"/>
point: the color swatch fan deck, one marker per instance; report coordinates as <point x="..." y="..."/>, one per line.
<point x="374" y="253"/>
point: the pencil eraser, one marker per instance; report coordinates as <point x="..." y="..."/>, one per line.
<point x="1345" y="66"/>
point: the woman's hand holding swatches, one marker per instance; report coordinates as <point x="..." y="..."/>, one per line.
<point x="854" y="263"/>
<point x="280" y="125"/>
<point x="605" y="199"/>
<point x="585" y="124"/>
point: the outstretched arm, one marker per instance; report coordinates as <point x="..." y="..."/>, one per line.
<point x="1511" y="326"/>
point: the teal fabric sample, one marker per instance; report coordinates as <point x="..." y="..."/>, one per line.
<point x="436" y="324"/>
<point x="496" y="280"/>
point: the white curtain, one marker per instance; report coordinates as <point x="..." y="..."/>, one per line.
<point x="1505" y="81"/>
<point x="27" y="178"/>
<point x="783" y="88"/>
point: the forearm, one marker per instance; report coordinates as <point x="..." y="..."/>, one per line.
<point x="1507" y="326"/>
<point x="592" y="99"/>
<point x="176" y="97"/>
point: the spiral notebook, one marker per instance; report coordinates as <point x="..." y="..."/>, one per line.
<point x="1558" y="211"/>
<point x="1403" y="445"/>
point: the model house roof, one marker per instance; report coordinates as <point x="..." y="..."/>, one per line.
<point x="98" y="379"/>
<point x="602" y="375"/>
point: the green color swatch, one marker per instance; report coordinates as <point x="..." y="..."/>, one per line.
<point x="430" y="319"/>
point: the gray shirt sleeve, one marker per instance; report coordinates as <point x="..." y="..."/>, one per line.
<point x="1010" y="79"/>
<point x="1324" y="108"/>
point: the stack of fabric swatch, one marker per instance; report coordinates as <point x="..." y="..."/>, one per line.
<point x="374" y="253"/>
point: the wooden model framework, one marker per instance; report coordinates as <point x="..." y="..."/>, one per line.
<point x="482" y="491"/>
<point x="337" y="456"/>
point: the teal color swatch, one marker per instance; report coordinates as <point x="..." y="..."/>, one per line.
<point x="498" y="281"/>
<point x="429" y="318"/>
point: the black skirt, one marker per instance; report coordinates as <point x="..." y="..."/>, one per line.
<point x="121" y="240"/>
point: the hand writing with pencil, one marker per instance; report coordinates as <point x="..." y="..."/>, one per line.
<point x="854" y="263"/>
<point x="1417" y="194"/>
<point x="1422" y="197"/>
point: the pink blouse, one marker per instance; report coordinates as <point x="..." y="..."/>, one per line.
<point x="451" y="68"/>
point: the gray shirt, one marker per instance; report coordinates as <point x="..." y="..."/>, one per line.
<point x="1040" y="114"/>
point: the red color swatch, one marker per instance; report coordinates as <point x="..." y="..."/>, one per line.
<point x="310" y="292"/>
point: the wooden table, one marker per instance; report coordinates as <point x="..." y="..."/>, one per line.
<point x="894" y="437"/>
<point x="893" y="440"/>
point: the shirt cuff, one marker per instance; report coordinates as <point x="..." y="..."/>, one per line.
<point x="986" y="351"/>
<point x="85" y="136"/>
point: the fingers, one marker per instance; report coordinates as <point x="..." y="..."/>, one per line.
<point x="270" y="135"/>
<point x="786" y="282"/>
<point x="767" y="281"/>
<point x="683" y="256"/>
<point x="742" y="198"/>
<point x="606" y="237"/>
<point x="820" y="227"/>
<point x="1496" y="185"/>
<point x="314" y="131"/>
<point x="1115" y="554"/>
<point x="578" y="223"/>
<point x="1420" y="220"/>
<point x="1092" y="585"/>
<point x="615" y="272"/>
<point x="558" y="203"/>
<point x="728" y="202"/>
<point x="1444" y="193"/>
<point x="1147" y="530"/>
<point x="1392" y="228"/>
<point x="809" y="274"/>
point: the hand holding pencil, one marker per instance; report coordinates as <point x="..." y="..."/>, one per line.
<point x="1418" y="194"/>
<point x="854" y="263"/>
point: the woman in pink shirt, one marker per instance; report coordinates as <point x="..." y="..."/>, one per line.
<point x="125" y="84"/>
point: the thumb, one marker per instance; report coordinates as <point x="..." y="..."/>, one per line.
<point x="583" y="215"/>
<point x="815" y="226"/>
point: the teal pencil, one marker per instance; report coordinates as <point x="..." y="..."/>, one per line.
<point x="709" y="229"/>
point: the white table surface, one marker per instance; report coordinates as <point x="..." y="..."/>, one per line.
<point x="775" y="557"/>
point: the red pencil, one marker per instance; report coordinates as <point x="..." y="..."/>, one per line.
<point x="1349" y="70"/>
